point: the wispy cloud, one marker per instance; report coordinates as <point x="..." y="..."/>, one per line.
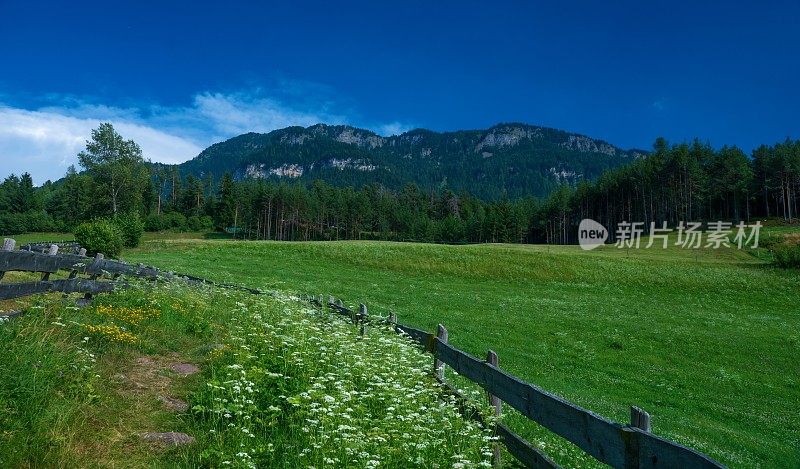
<point x="393" y="128"/>
<point x="46" y="140"/>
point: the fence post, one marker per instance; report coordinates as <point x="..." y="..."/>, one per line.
<point x="362" y="318"/>
<point x="51" y="252"/>
<point x="494" y="401"/>
<point x="640" y="419"/>
<point x="438" y="365"/>
<point x="97" y="259"/>
<point x="8" y="245"/>
<point x="87" y="298"/>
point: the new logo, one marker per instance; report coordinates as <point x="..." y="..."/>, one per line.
<point x="591" y="234"/>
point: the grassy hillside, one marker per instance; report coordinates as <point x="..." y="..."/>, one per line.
<point x="705" y="341"/>
<point x="240" y="376"/>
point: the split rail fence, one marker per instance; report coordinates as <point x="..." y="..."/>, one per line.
<point x="617" y="445"/>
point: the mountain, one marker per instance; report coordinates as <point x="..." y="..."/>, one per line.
<point x="516" y="159"/>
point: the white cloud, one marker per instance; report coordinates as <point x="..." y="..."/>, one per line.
<point x="394" y="128"/>
<point x="239" y="113"/>
<point x="45" y="141"/>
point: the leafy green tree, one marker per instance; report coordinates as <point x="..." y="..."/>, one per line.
<point x="117" y="167"/>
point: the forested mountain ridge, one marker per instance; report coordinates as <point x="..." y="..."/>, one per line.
<point x="513" y="159"/>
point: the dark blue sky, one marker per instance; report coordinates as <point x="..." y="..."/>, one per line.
<point x="626" y="72"/>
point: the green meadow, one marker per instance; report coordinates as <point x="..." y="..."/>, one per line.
<point x="705" y="340"/>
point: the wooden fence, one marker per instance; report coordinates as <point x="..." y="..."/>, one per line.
<point x="618" y="445"/>
<point x="50" y="261"/>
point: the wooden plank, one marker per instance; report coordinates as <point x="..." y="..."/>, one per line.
<point x="75" y="285"/>
<point x="28" y="261"/>
<point x="102" y="266"/>
<point x="655" y="452"/>
<point x="81" y="285"/>
<point x="425" y="339"/>
<point x="523" y="451"/>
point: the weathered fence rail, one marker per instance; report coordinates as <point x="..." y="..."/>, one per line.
<point x="50" y="261"/>
<point x="35" y="258"/>
<point x="618" y="445"/>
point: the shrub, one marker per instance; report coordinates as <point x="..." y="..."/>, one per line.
<point x="153" y="223"/>
<point x="204" y="223"/>
<point x="100" y="236"/>
<point x="173" y="220"/>
<point x="787" y="257"/>
<point x="131" y="227"/>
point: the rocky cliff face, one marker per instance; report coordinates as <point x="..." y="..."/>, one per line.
<point x="511" y="159"/>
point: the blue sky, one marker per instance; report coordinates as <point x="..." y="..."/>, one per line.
<point x="180" y="76"/>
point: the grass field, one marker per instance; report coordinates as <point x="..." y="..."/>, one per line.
<point x="706" y="341"/>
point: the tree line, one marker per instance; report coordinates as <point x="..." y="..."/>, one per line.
<point x="681" y="182"/>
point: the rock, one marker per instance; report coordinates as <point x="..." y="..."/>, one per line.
<point x="210" y="347"/>
<point x="168" y="438"/>
<point x="174" y="404"/>
<point x="185" y="369"/>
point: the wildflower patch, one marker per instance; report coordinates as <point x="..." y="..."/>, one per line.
<point x="300" y="387"/>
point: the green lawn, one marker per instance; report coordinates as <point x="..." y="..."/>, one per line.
<point x="40" y="237"/>
<point x="706" y="341"/>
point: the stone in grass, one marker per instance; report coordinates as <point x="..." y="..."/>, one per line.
<point x="211" y="347"/>
<point x="168" y="438"/>
<point x="185" y="368"/>
<point x="174" y="404"/>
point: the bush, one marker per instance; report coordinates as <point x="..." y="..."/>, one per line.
<point x="101" y="236"/>
<point x="787" y="257"/>
<point x="131" y="228"/>
<point x="204" y="223"/>
<point x="173" y="221"/>
<point x="153" y="223"/>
